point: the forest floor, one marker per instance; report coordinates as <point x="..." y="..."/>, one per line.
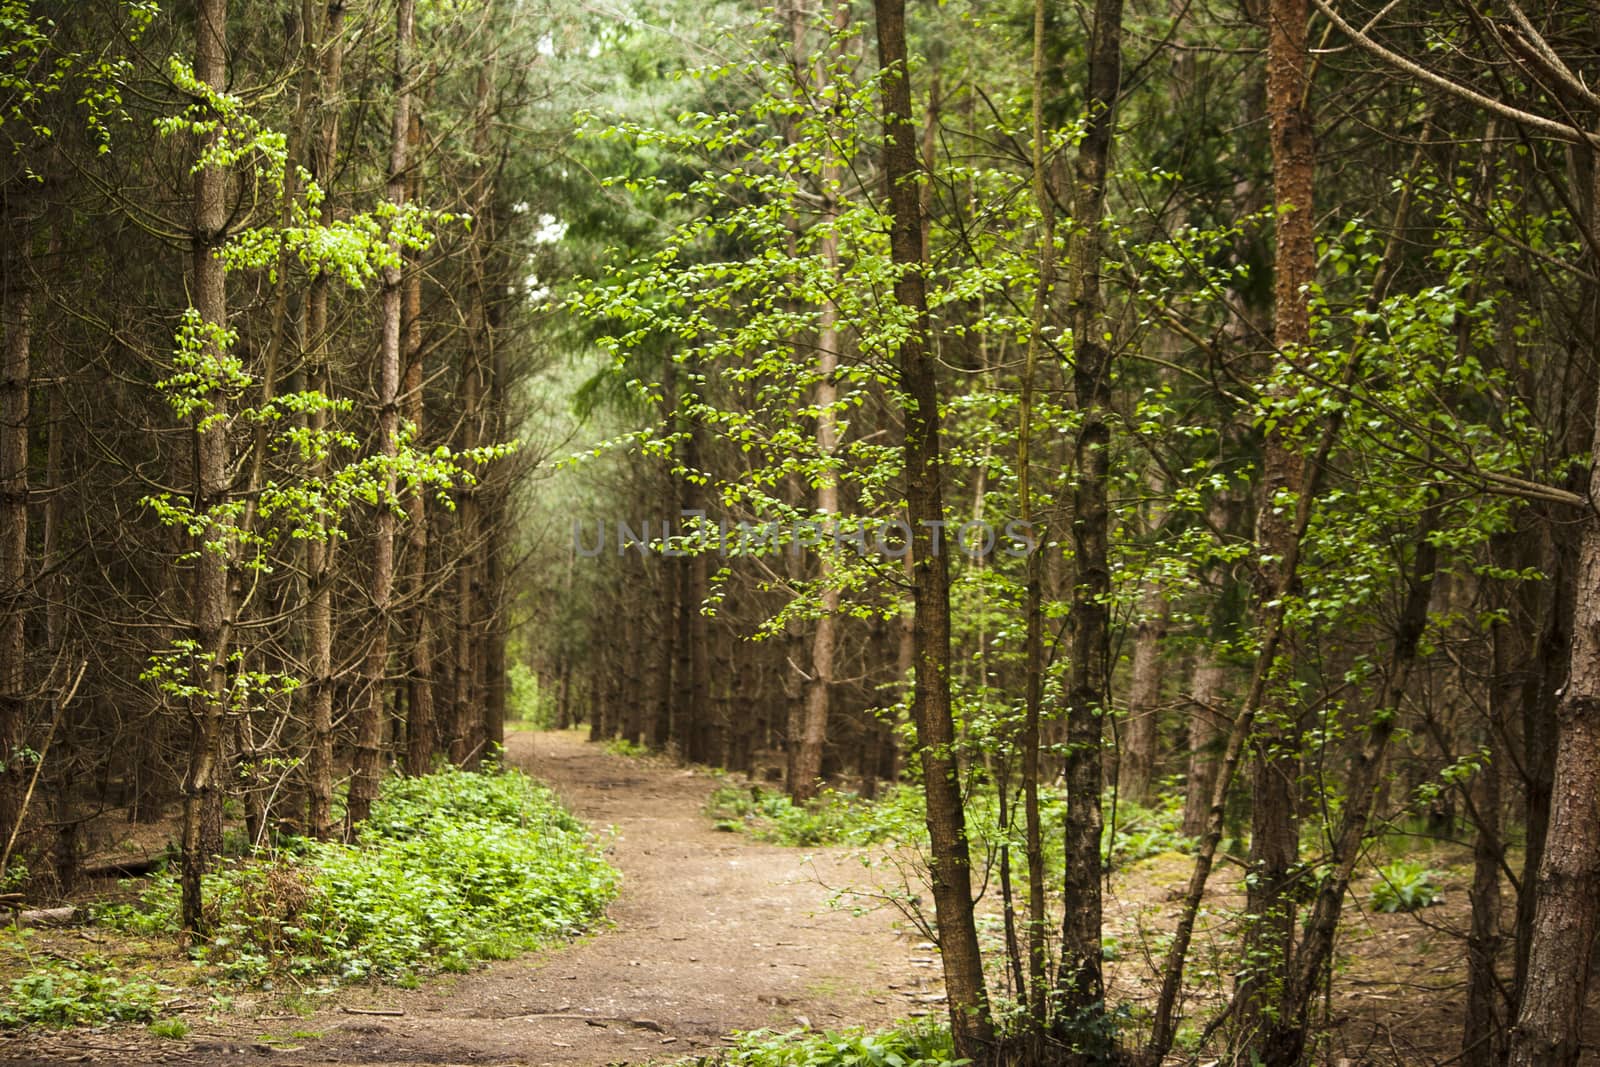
<point x="713" y="932"/>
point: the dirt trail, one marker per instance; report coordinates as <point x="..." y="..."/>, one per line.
<point x="713" y="932"/>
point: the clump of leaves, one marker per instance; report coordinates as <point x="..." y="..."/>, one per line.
<point x="1142" y="832"/>
<point x="450" y="868"/>
<point x="1404" y="885"/>
<point x="621" y="746"/>
<point x="838" y="818"/>
<point x="77" y="993"/>
<point x="833" y="818"/>
<point x="910" y="1046"/>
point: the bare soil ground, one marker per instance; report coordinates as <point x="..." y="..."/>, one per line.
<point x="713" y="932"/>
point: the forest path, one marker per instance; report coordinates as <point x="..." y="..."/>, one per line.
<point x="712" y="932"/>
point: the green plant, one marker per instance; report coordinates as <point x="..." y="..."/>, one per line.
<point x="621" y="746"/>
<point x="77" y="993"/>
<point x="908" y="1046"/>
<point x="1404" y="885"/>
<point x="176" y="1029"/>
<point x="450" y="868"/>
<point x="833" y="818"/>
<point x="1142" y="832"/>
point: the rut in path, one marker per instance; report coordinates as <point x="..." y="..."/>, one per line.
<point x="712" y="932"/>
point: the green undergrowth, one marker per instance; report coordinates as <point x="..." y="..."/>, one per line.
<point x="838" y="818"/>
<point x="621" y="746"/>
<point x="450" y="869"/>
<point x="907" y="1046"/>
<point x="76" y="992"/>
<point x="1405" y="885"/>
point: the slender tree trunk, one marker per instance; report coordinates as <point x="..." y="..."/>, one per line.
<point x="661" y="728"/>
<point x="1088" y="687"/>
<point x="16" y="318"/>
<point x="688" y="716"/>
<point x="466" y="716"/>
<point x="421" y="728"/>
<point x="1274" y="823"/>
<point x="1033" y="657"/>
<point x="1141" y="737"/>
<point x="806" y="768"/>
<point x="1206" y="694"/>
<point x="478" y="361"/>
<point x="970" y="1020"/>
<point x="325" y="57"/>
<point x="370" y="714"/>
<point x="708" y="727"/>
<point x="201" y="831"/>
<point x="1482" y="1034"/>
<point x="492" y="594"/>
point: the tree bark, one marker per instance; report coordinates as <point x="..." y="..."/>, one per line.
<point x="1081" y="982"/>
<point x="421" y="727"/>
<point x="201" y="830"/>
<point x="1274" y="806"/>
<point x="1206" y="689"/>
<point x="16" y="317"/>
<point x="1549" y="1028"/>
<point x="971" y="1026"/>
<point x="368" y="765"/>
<point x="806" y="768"/>
<point x="325" y="55"/>
<point x="1141" y="736"/>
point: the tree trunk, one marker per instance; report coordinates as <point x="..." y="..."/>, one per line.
<point x="1205" y="717"/>
<point x="1088" y="688"/>
<point x="1482" y="1033"/>
<point x="1141" y="736"/>
<point x="421" y="727"/>
<point x="971" y="1025"/>
<point x="326" y="38"/>
<point x="1549" y="1028"/>
<point x="201" y="831"/>
<point x="370" y="714"/>
<point x="16" y="317"/>
<point x="1274" y="806"/>
<point x="805" y="769"/>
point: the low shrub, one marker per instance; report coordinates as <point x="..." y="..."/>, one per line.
<point x="77" y="993"/>
<point x="1404" y="885"/>
<point x="910" y="1046"/>
<point x="452" y="867"/>
<point x="833" y="818"/>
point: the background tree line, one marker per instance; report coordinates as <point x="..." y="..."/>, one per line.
<point x="1275" y="321"/>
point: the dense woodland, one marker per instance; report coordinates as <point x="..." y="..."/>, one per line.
<point x="1058" y="407"/>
